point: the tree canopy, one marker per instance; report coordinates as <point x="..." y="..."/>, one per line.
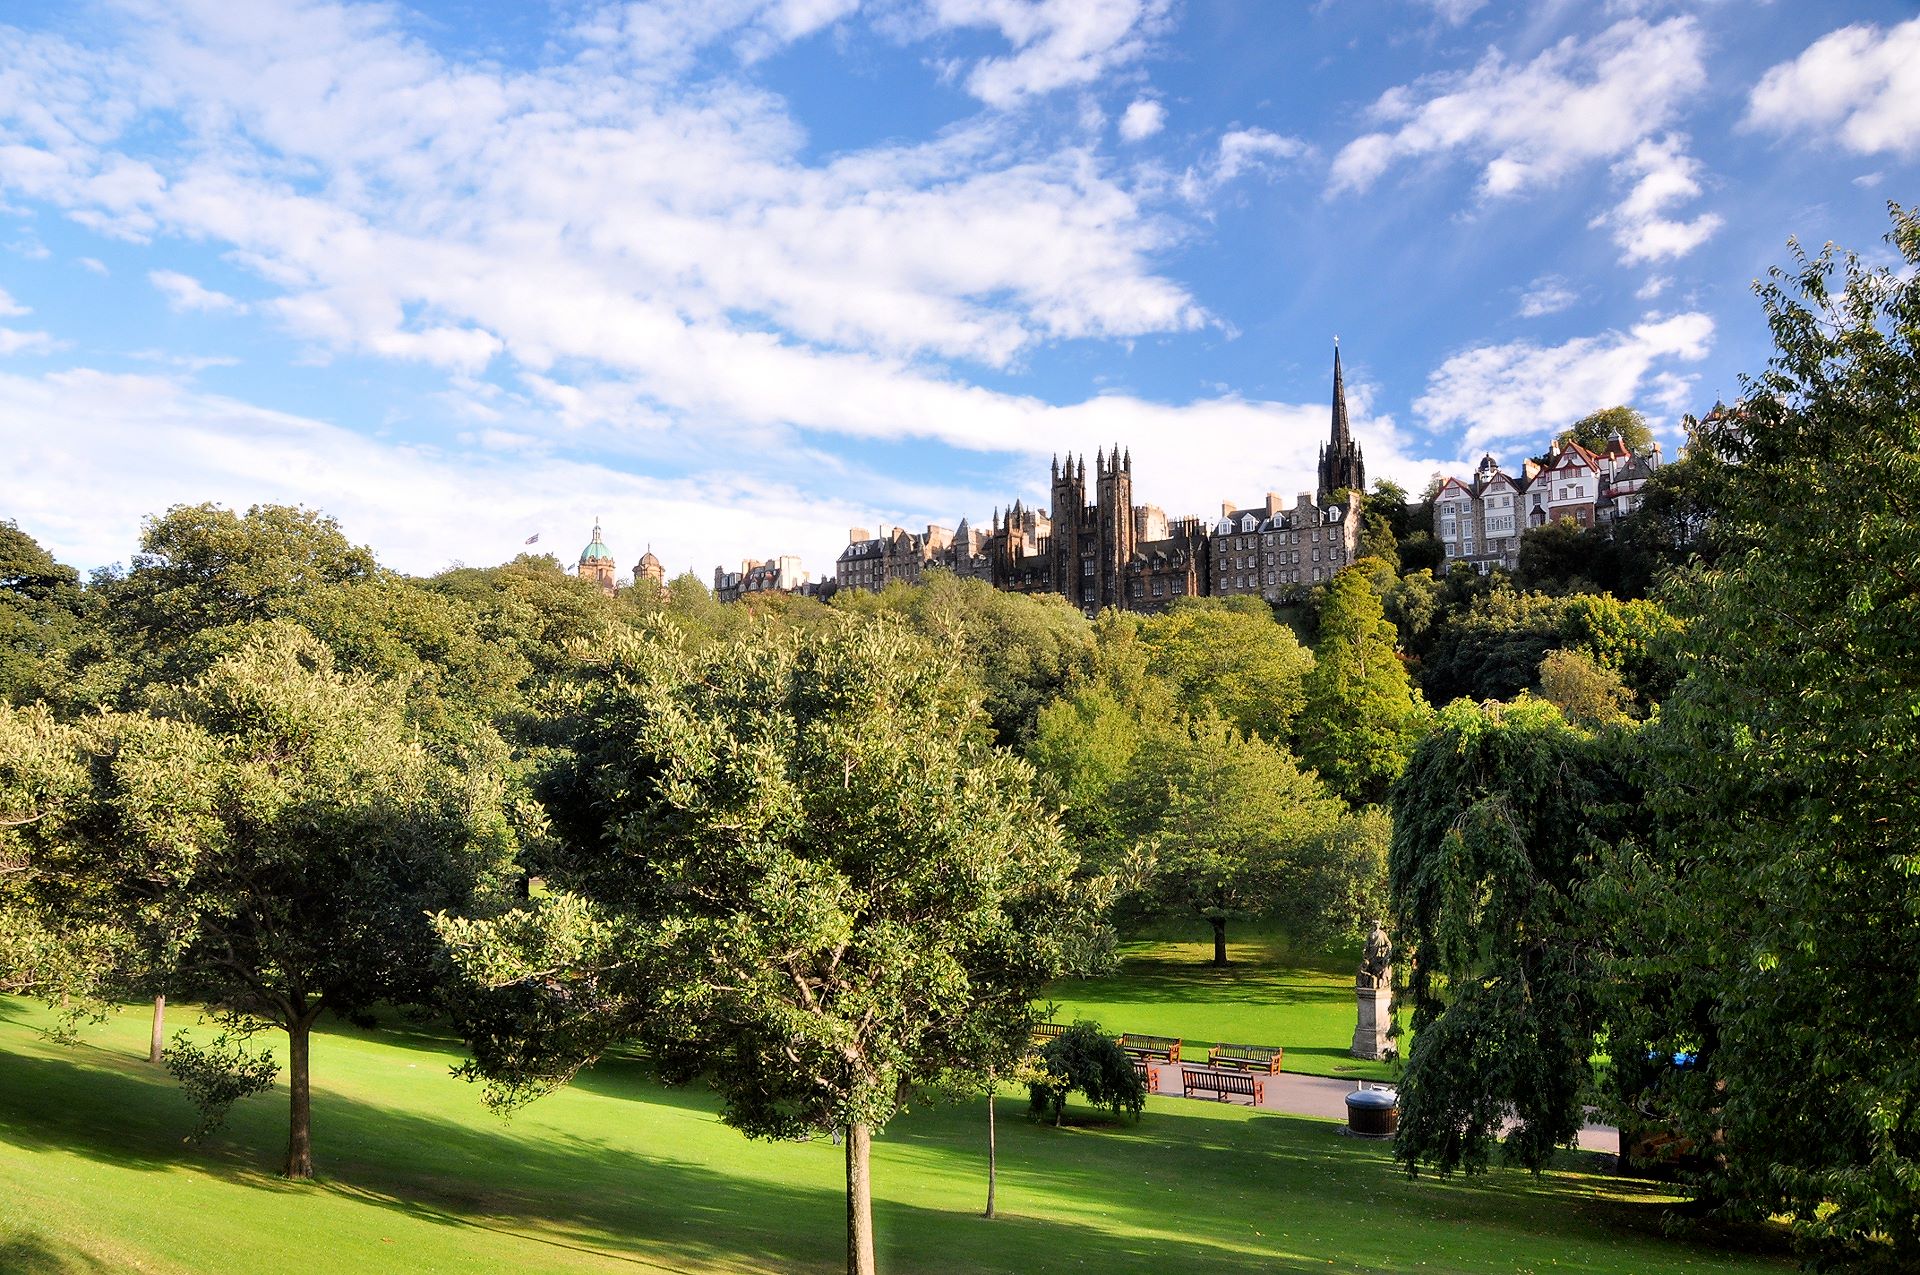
<point x="797" y="869"/>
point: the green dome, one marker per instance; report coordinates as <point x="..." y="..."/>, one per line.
<point x="596" y="550"/>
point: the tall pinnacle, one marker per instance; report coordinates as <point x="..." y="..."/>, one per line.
<point x="1341" y="436"/>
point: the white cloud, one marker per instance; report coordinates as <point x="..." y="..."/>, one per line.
<point x="1142" y="119"/>
<point x="1859" y="85"/>
<point x="185" y="293"/>
<point x="1528" y="125"/>
<point x="1653" y="287"/>
<point x="14" y="341"/>
<point x="1521" y="390"/>
<point x="92" y="265"/>
<point x="1454" y="12"/>
<point x="1549" y="294"/>
<point x="1662" y="175"/>
<point x="1057" y="43"/>
<point x="433" y="196"/>
<point x="9" y="308"/>
<point x="1242" y="151"/>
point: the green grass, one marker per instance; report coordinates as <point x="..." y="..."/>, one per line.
<point x="617" y="1174"/>
<point x="1270" y="994"/>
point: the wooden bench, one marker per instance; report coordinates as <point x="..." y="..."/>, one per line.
<point x="1148" y="1073"/>
<point x="1222" y="1085"/>
<point x="1164" y="1048"/>
<point x="1044" y="1032"/>
<point x="1264" y="1058"/>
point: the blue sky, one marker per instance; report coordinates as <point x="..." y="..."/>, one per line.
<point x="735" y="275"/>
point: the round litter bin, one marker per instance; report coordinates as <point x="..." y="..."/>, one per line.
<point x="1373" y="1113"/>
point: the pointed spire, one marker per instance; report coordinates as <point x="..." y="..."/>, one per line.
<point x="1099" y="461"/>
<point x="1056" y="464"/>
<point x="1128" y="463"/>
<point x="1341" y="434"/>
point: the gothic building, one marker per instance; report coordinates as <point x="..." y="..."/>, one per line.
<point x="1098" y="549"/>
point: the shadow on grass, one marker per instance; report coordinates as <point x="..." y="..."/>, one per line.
<point x="36" y="1255"/>
<point x="582" y="1195"/>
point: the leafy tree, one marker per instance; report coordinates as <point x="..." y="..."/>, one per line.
<point x="1586" y="692"/>
<point x="1390" y="502"/>
<point x="1239" y="663"/>
<point x="202" y="567"/>
<point x="1378" y="542"/>
<point x="796" y="868"/>
<point x="1086" y="1059"/>
<point x="1021" y="651"/>
<point x="1595" y="430"/>
<point x="1362" y="711"/>
<point x="1499" y="824"/>
<point x="1560" y="557"/>
<point x="1344" y="876"/>
<point x="1785" y="876"/>
<point x="49" y="645"/>
<point x="282" y="832"/>
<point x="1229" y="819"/>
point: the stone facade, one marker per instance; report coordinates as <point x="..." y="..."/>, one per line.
<point x="1480" y="522"/>
<point x="781" y="574"/>
<point x="1098" y="549"/>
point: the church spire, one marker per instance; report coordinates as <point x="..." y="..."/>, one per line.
<point x="1341" y="435"/>
<point x="1341" y="465"/>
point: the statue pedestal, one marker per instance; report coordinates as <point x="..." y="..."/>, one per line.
<point x="1376" y="1016"/>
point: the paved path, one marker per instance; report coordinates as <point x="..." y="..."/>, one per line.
<point x="1326" y="1097"/>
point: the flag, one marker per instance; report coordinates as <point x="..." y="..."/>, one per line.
<point x="534" y="537"/>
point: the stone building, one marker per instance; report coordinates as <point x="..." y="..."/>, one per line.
<point x="1480" y="522"/>
<point x="596" y="562"/>
<point x="1098" y="549"/>
<point x="782" y="574"/>
<point x="649" y="568"/>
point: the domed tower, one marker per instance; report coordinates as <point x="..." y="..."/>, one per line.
<point x="649" y="568"/>
<point x="596" y="562"/>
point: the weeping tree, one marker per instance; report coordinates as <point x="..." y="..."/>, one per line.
<point x="1501" y="821"/>
<point x="796" y="868"/>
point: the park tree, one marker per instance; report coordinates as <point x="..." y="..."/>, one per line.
<point x="1500" y="822"/>
<point x="1786" y="873"/>
<point x="797" y="868"/>
<point x="1232" y="658"/>
<point x="275" y="835"/>
<point x="1363" y="713"/>
<point x="1085" y="1059"/>
<point x="1595" y="430"/>
<point x="1230" y="821"/>
<point x="1586" y="692"/>
<point x="50" y="646"/>
<point x="204" y="567"/>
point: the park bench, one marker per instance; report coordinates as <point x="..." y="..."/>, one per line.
<point x="1044" y="1032"/>
<point x="1224" y="1086"/>
<point x="1264" y="1058"/>
<point x="1148" y="1073"/>
<point x="1165" y="1048"/>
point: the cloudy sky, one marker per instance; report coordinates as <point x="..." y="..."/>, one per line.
<point x="734" y="275"/>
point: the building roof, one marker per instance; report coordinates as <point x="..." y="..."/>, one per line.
<point x="596" y="550"/>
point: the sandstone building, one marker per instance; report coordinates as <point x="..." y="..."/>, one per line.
<point x="1097" y="548"/>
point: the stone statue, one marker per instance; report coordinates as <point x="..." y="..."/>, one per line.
<point x="1373" y="989"/>
<point x="1376" y="966"/>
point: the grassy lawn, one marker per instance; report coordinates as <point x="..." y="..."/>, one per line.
<point x="1269" y="995"/>
<point x="617" y="1174"/>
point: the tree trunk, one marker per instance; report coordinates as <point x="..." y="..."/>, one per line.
<point x="993" y="1150"/>
<point x="300" y="1110"/>
<point x="859" y="1201"/>
<point x="157" y="1044"/>
<point x="1219" y="939"/>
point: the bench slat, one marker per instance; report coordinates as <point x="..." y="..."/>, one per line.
<point x="1223" y="1084"/>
